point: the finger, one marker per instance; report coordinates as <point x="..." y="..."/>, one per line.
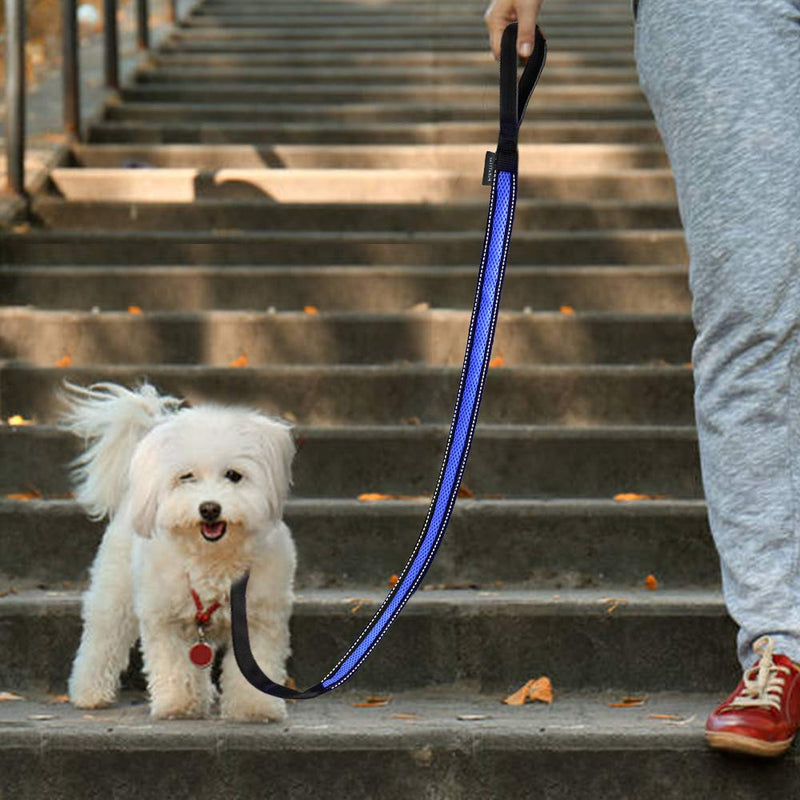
<point x="526" y="31"/>
<point x="497" y="16"/>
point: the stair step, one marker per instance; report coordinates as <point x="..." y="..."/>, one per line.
<point x="508" y="462"/>
<point x="358" y="113"/>
<point x="642" y="290"/>
<point x="405" y="98"/>
<point x="558" y="544"/>
<point x="632" y="641"/>
<point x="261" y="215"/>
<point x="535" y="159"/>
<point x="216" y="338"/>
<point x="333" y="186"/>
<point x="322" y="59"/>
<point x="576" y="749"/>
<point x="192" y="42"/>
<point x="655" y="247"/>
<point x="209" y="132"/>
<point x="387" y="395"/>
<point x="475" y="76"/>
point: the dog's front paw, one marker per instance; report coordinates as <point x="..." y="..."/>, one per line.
<point x="92" y="699"/>
<point x="261" y="709"/>
<point x="178" y="708"/>
<point x="86" y="694"/>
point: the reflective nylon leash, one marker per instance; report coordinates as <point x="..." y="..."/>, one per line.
<point x="500" y="171"/>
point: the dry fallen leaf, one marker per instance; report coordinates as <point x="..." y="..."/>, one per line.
<point x="57" y="699"/>
<point x="665" y="716"/>
<point x="6" y="696"/>
<point x="627" y="497"/>
<point x="41" y="717"/>
<point x="567" y="310"/>
<point x="412" y="421"/>
<point x="472" y="717"/>
<point x="373" y="702"/>
<point x="367" y="497"/>
<point x="310" y="310"/>
<point x="241" y="361"/>
<point x="465" y="491"/>
<point x="393" y="580"/>
<point x="18" y="419"/>
<point x="535" y="689"/>
<point x="614" y="603"/>
<point x="628" y="702"/>
<point x="497" y="361"/>
<point x="64" y="361"/>
<point x="651" y="582"/>
<point x="405" y="716"/>
<point x="134" y="310"/>
<point x="32" y="494"/>
<point x="420" y="307"/>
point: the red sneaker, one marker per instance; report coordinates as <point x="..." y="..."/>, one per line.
<point x="762" y="715"/>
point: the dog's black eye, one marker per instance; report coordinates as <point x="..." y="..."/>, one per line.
<point x="233" y="476"/>
<point x="189" y="476"/>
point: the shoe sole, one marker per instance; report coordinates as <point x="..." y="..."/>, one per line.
<point x="736" y="743"/>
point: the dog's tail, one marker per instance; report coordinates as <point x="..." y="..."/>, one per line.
<point x="111" y="420"/>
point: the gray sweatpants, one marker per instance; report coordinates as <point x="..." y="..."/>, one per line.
<point x="723" y="80"/>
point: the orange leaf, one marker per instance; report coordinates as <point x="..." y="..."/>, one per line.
<point x="372" y="496"/>
<point x="58" y="698"/>
<point x="134" y="310"/>
<point x="373" y="702"/>
<point x="567" y="310"/>
<point x="540" y="689"/>
<point x="405" y="716"/>
<point x="33" y="494"/>
<point x="241" y="361"/>
<point x="310" y="310"/>
<point x="628" y="702"/>
<point x="64" y="361"/>
<point x="6" y="696"/>
<point x="626" y="497"/>
<point x="665" y="716"/>
<point x="464" y="491"/>
<point x="393" y="580"/>
<point x="497" y="361"/>
<point x="651" y="582"/>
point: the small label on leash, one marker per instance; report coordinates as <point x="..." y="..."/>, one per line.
<point x="488" y="168"/>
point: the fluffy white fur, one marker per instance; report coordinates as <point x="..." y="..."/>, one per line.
<point x="148" y="467"/>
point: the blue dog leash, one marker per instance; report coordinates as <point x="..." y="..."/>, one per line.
<point x="500" y="172"/>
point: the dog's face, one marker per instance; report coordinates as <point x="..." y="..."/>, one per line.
<point x="209" y="476"/>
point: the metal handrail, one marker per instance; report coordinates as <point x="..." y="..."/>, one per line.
<point x="16" y="80"/>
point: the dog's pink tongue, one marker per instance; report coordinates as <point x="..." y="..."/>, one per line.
<point x="213" y="531"/>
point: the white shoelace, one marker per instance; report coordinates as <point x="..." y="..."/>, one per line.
<point x="763" y="683"/>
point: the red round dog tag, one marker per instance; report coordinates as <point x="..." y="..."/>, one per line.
<point x="201" y="655"/>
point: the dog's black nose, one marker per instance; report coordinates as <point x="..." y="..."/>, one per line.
<point x="210" y="511"/>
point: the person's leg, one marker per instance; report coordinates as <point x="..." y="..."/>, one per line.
<point x="722" y="78"/>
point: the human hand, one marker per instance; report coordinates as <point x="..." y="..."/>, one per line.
<point x="501" y="12"/>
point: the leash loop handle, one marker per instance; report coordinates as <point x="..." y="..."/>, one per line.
<point x="514" y="100"/>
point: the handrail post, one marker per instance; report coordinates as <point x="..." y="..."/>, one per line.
<point x="71" y="69"/>
<point x="111" y="50"/>
<point x="15" y="94"/>
<point x="142" y="25"/>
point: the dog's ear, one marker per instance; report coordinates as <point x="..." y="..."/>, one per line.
<point x="277" y="451"/>
<point x="145" y="474"/>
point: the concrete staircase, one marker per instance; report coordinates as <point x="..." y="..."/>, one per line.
<point x="328" y="155"/>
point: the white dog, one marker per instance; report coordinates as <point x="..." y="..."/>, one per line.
<point x="194" y="498"/>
